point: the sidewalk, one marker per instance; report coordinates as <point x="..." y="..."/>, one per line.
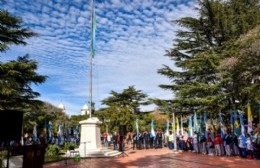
<point x="159" y="158"/>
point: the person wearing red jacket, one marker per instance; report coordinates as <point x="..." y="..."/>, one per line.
<point x="217" y="143"/>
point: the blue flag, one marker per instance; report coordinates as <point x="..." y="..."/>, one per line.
<point x="167" y="127"/>
<point x="136" y="126"/>
<point x="50" y="131"/>
<point x="59" y="134"/>
<point x="231" y="120"/>
<point x="201" y="127"/>
<point x="206" y="124"/>
<point x="152" y="130"/>
<point x="221" y="126"/>
<point x="34" y="133"/>
<point x="93" y="30"/>
<point x="195" y="123"/>
<point x="190" y="126"/>
<point x="242" y="124"/>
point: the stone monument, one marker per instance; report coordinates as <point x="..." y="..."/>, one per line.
<point x="90" y="139"/>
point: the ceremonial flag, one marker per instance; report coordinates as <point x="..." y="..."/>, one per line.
<point x="167" y="127"/>
<point x="182" y="133"/>
<point x="190" y="126"/>
<point x="201" y="126"/>
<point x="75" y="131"/>
<point x="206" y="124"/>
<point x="152" y="130"/>
<point x="195" y="124"/>
<point x="50" y="130"/>
<point x="236" y="125"/>
<point x="59" y="134"/>
<point x="250" y="119"/>
<point x="137" y="126"/>
<point x="93" y="30"/>
<point x="211" y="122"/>
<point x="221" y="126"/>
<point x="231" y="120"/>
<point x="235" y="120"/>
<point x="242" y="123"/>
<point x="35" y="133"/>
<point x="177" y="126"/>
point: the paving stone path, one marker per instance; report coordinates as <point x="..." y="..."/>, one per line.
<point x="159" y="158"/>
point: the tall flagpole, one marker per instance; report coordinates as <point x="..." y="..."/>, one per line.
<point x="91" y="58"/>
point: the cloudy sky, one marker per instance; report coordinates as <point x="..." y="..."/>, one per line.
<point x="131" y="39"/>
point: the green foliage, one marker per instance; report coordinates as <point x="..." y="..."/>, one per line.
<point x="11" y="31"/>
<point x="77" y="158"/>
<point x="199" y="49"/>
<point x="42" y="115"/>
<point x="75" y="119"/>
<point x="53" y="150"/>
<point x="122" y="108"/>
<point x="130" y="97"/>
<point x="69" y="146"/>
<point x="16" y="78"/>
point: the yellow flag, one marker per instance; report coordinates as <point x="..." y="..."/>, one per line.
<point x="177" y="126"/>
<point x="250" y="119"/>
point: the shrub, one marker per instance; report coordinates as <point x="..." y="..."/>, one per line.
<point x="53" y="150"/>
<point x="70" y="146"/>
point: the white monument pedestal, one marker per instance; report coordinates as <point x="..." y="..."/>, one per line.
<point x="90" y="141"/>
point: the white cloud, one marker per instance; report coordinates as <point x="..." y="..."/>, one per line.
<point x="131" y="41"/>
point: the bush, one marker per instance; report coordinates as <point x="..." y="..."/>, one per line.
<point x="53" y="150"/>
<point x="3" y="155"/>
<point x="70" y="146"/>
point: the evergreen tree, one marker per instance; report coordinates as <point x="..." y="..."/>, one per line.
<point x="11" y="31"/>
<point x="16" y="78"/>
<point x="197" y="52"/>
<point x="122" y="107"/>
<point x="240" y="70"/>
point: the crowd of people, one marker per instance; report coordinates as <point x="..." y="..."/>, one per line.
<point x="215" y="142"/>
<point x="245" y="145"/>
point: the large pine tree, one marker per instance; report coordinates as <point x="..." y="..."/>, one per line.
<point x="12" y="31"/>
<point x="198" y="50"/>
<point x="17" y="76"/>
<point x="16" y="79"/>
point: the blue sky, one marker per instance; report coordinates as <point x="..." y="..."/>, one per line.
<point x="131" y="39"/>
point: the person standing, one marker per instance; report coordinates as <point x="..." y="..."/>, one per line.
<point x="195" y="143"/>
<point x="234" y="140"/>
<point x="170" y="140"/>
<point x="146" y="140"/>
<point x="210" y="145"/>
<point x="108" y="139"/>
<point x="135" y="142"/>
<point x="256" y="142"/>
<point x="159" y="139"/>
<point x="249" y="147"/>
<point x="114" y="139"/>
<point x="217" y="143"/>
<point x="242" y="145"/>
<point x="228" y="144"/>
<point x="105" y="139"/>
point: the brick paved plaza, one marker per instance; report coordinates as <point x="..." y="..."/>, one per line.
<point x="159" y="158"/>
